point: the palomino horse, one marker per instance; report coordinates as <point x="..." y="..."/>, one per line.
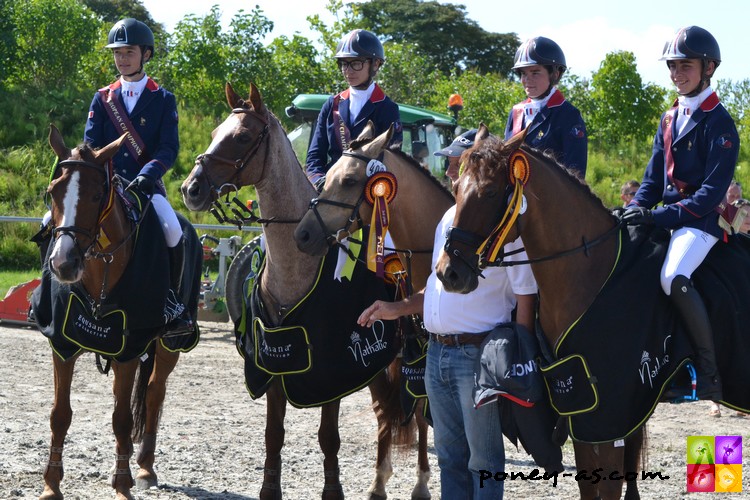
<point x="556" y="214"/>
<point x="94" y="242"/>
<point x="251" y="148"/>
<point x="419" y="201"/>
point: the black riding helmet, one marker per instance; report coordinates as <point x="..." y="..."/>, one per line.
<point x="128" y="32"/>
<point x="693" y="42"/>
<point x="360" y="43"/>
<point x="542" y="51"/>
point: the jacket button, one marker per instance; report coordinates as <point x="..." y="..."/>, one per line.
<point x="670" y="187"/>
<point x="126" y="155"/>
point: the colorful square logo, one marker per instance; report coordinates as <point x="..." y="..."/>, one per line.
<point x="700" y="450"/>
<point x="728" y="449"/>
<point x="714" y="463"/>
<point x="700" y="477"/>
<point x="728" y="478"/>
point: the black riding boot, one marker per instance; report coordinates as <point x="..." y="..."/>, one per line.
<point x="184" y="322"/>
<point x="695" y="318"/>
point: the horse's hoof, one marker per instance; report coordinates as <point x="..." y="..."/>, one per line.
<point x="50" y="494"/>
<point x="421" y="496"/>
<point x="270" y="492"/>
<point x="375" y="496"/>
<point x="146" y="482"/>
<point x="332" y="492"/>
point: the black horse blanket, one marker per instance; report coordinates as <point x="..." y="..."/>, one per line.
<point x="134" y="312"/>
<point x="317" y="349"/>
<point x="613" y="364"/>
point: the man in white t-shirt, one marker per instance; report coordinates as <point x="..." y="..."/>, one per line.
<point x="467" y="440"/>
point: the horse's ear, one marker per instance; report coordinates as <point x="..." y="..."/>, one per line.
<point x="256" y="101"/>
<point x="233" y="99"/>
<point x="368" y="132"/>
<point x="101" y="155"/>
<point x="482" y="132"/>
<point x="381" y="142"/>
<point x="57" y="143"/>
<point x="516" y="141"/>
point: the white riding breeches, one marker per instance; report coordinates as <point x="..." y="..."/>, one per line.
<point x="688" y="247"/>
<point x="167" y="219"/>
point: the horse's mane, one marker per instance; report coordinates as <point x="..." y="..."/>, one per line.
<point x="361" y="142"/>
<point x="84" y="148"/>
<point x="495" y="154"/>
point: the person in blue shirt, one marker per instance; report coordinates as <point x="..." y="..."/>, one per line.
<point x="151" y="111"/>
<point x="342" y="118"/>
<point x="552" y="122"/>
<point x="692" y="165"/>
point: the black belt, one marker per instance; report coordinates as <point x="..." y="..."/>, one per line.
<point x="459" y="339"/>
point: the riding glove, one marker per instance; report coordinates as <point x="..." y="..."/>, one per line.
<point x="320" y="183"/>
<point x="144" y="184"/>
<point x="637" y="215"/>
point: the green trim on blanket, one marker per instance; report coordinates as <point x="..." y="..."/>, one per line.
<point x="611" y="272"/>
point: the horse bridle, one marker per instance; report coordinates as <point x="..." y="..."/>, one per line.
<point x="333" y="238"/>
<point x="72" y="231"/>
<point x="238" y="164"/>
<point x="474" y="241"/>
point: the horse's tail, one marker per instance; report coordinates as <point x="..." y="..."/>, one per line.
<point x="636" y="447"/>
<point x="138" y="405"/>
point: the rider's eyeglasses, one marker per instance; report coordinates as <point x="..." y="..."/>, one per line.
<point x="355" y="65"/>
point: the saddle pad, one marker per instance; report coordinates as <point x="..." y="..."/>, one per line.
<point x="281" y="351"/>
<point x="345" y="356"/>
<point x="630" y="339"/>
<point x="570" y="385"/>
<point x="104" y="333"/>
<point x="413" y="364"/>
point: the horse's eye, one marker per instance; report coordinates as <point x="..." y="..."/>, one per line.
<point x="349" y="182"/>
<point x="244" y="138"/>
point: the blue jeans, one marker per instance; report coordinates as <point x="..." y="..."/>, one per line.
<point x="466" y="440"/>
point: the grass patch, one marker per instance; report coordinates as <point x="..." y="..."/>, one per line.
<point x="9" y="279"/>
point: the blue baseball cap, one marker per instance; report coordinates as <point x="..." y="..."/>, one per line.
<point x="459" y="144"/>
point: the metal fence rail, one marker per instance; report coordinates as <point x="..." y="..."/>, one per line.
<point x="210" y="227"/>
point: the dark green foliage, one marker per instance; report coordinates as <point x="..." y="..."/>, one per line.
<point x="442" y="33"/>
<point x="49" y="71"/>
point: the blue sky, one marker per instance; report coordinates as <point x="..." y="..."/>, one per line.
<point x="585" y="29"/>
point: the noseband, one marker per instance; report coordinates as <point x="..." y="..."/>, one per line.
<point x="105" y="207"/>
<point x="334" y="237"/>
<point x="238" y="164"/>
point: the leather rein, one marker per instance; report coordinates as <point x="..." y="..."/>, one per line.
<point x="482" y="246"/>
<point x="105" y="209"/>
<point x="241" y="214"/>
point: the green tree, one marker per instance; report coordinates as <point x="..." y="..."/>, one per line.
<point x="7" y="40"/>
<point x="622" y="108"/>
<point x="442" y="33"/>
<point x="294" y="69"/>
<point x="51" y="38"/>
<point x="487" y="98"/>
<point x="111" y="11"/>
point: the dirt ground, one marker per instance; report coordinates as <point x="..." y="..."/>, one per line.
<point x="210" y="444"/>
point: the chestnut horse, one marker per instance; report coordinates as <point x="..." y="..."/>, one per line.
<point x="556" y="218"/>
<point x="419" y="202"/>
<point x="251" y="148"/>
<point x="92" y="248"/>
